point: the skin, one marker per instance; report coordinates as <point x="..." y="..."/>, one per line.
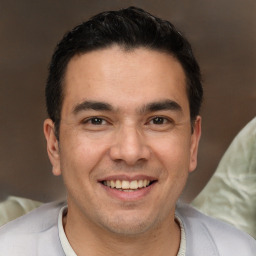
<point x="142" y="128"/>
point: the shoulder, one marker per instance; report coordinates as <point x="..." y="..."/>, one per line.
<point x="38" y="228"/>
<point x="211" y="236"/>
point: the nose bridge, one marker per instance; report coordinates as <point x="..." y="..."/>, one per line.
<point x="129" y="145"/>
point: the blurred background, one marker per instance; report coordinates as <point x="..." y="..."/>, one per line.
<point x="223" y="36"/>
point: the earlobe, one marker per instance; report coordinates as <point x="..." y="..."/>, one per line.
<point x="195" y="138"/>
<point x="52" y="146"/>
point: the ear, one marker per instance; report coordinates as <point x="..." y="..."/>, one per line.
<point x="52" y="146"/>
<point x="195" y="137"/>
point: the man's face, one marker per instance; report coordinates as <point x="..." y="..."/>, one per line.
<point x="125" y="146"/>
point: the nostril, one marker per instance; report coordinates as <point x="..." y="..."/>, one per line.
<point x="129" y="147"/>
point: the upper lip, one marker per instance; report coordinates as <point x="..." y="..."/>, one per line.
<point x="128" y="177"/>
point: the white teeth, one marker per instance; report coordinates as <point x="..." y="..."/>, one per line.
<point x="140" y="183"/>
<point x="134" y="184"/>
<point x="127" y="185"/>
<point x="112" y="183"/>
<point x="118" y="184"/>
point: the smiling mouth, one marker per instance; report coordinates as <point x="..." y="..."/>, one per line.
<point x="127" y="186"/>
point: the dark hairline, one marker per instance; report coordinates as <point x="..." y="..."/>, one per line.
<point x="125" y="48"/>
<point x="130" y="29"/>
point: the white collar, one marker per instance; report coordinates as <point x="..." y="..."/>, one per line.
<point x="63" y="238"/>
<point x="70" y="252"/>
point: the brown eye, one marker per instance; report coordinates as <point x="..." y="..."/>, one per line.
<point x="158" y="120"/>
<point x="97" y="121"/>
<point x="95" y="124"/>
<point x="160" y="123"/>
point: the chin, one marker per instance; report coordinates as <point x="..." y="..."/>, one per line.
<point x="128" y="225"/>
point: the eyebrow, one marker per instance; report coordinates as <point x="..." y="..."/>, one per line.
<point x="151" y="107"/>
<point x="161" y="105"/>
<point x="92" y="105"/>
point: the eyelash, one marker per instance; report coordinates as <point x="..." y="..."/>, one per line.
<point x="165" y="120"/>
<point x="98" y="123"/>
<point x="90" y="120"/>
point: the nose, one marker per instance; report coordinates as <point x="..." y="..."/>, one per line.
<point x="129" y="146"/>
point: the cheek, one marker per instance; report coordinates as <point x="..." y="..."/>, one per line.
<point x="172" y="150"/>
<point x="77" y="163"/>
<point x="79" y="155"/>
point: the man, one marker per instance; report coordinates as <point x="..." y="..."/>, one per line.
<point x="123" y="97"/>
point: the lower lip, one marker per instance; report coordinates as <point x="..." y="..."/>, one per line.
<point x="128" y="196"/>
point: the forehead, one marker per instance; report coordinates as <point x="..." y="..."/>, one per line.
<point x="122" y="77"/>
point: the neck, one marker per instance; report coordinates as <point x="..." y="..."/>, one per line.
<point x="90" y="239"/>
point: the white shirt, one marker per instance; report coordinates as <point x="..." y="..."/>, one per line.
<point x="70" y="252"/>
<point x="40" y="233"/>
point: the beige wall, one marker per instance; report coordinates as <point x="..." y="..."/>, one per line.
<point x="223" y="34"/>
